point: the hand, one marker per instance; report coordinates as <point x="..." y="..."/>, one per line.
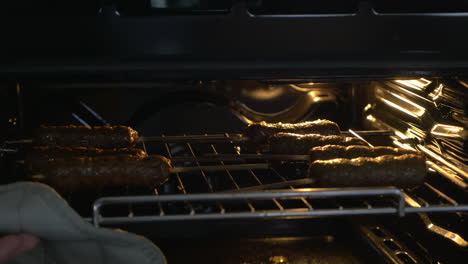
<point x="13" y="245"/>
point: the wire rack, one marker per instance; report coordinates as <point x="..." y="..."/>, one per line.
<point x="233" y="194"/>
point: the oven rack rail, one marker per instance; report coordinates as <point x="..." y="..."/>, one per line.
<point x="419" y="201"/>
<point x="402" y="202"/>
<point x="401" y="205"/>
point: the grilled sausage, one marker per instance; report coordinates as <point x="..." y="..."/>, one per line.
<point x="82" y="136"/>
<point x="407" y="170"/>
<point x="288" y="143"/>
<point x="350" y="152"/>
<point x="38" y="158"/>
<point x="260" y="132"/>
<point x="87" y="173"/>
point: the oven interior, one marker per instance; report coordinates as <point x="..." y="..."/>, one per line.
<point x="196" y="123"/>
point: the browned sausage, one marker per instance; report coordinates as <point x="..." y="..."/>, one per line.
<point x="38" y="157"/>
<point x="350" y="152"/>
<point x="260" y="132"/>
<point x="288" y="143"/>
<point x="407" y="170"/>
<point x="94" y="173"/>
<point x="82" y="136"/>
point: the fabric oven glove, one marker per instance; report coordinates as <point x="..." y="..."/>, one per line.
<point x="65" y="237"/>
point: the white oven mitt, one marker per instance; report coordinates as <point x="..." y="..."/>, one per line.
<point x="65" y="237"/>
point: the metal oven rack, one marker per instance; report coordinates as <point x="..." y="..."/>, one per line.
<point x="227" y="194"/>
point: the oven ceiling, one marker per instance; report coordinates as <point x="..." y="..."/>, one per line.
<point x="369" y="40"/>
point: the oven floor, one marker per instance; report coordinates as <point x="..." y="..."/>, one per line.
<point x="260" y="242"/>
<point x="297" y="250"/>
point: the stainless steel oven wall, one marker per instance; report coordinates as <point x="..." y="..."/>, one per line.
<point x="431" y="113"/>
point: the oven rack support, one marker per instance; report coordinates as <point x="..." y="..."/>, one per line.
<point x="401" y="207"/>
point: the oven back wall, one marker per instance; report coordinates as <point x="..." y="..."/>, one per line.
<point x="175" y="109"/>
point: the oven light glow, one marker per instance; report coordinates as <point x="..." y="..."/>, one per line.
<point x="327" y="239"/>
<point x="371" y="118"/>
<point x="305" y="189"/>
<point x="399" y="144"/>
<point x="400" y="135"/>
<point x="405" y="146"/>
<point x="437" y="92"/>
<point x="421" y="110"/>
<point x="302" y="87"/>
<point x="398" y="107"/>
<point x="446" y="130"/>
<point x="415" y="84"/>
<point x="411" y="108"/>
<point x="263" y="94"/>
<point x="402" y="145"/>
<point x="278" y="259"/>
